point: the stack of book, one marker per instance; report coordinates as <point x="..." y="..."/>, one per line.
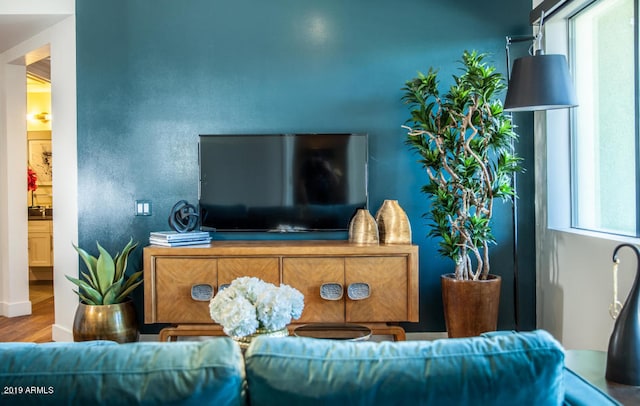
<point x="175" y="239"/>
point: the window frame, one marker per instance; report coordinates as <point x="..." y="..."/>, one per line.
<point x="560" y="134"/>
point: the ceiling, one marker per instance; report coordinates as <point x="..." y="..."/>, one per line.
<point x="16" y="28"/>
<point x="39" y="76"/>
<point x="40" y="71"/>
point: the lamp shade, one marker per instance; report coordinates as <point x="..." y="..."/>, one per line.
<point x="540" y="82"/>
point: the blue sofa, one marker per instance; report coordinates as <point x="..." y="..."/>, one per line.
<point x="496" y="369"/>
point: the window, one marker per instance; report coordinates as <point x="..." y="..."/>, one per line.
<point x="604" y="133"/>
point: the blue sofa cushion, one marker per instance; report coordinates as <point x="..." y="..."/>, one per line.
<point x="505" y="369"/>
<point x="99" y="373"/>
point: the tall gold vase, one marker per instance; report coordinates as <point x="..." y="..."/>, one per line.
<point x="393" y="224"/>
<point x="116" y="322"/>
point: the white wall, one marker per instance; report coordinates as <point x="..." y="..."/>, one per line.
<point x="65" y="177"/>
<point x="37" y="7"/>
<point x="14" y="293"/>
<point x="574" y="268"/>
<point x="13" y="235"/>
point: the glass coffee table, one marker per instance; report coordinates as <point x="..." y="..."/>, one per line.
<point x="334" y="331"/>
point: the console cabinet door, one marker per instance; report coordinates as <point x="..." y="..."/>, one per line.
<point x="307" y="275"/>
<point x="387" y="280"/>
<point x="267" y="269"/>
<point x="174" y="277"/>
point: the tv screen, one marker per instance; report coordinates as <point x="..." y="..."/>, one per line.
<point x="282" y="182"/>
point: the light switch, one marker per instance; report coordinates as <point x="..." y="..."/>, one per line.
<point x="143" y="207"/>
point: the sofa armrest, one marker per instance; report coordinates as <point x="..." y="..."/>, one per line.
<point x="579" y="392"/>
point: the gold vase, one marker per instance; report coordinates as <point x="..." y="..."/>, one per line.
<point x="393" y="224"/>
<point x="116" y="322"/>
<point x="245" y="341"/>
<point x="363" y="228"/>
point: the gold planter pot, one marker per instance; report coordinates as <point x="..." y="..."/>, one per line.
<point x="115" y="322"/>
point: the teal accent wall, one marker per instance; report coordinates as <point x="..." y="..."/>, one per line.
<point x="153" y="74"/>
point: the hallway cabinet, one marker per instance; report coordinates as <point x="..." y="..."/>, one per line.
<point x="40" y="243"/>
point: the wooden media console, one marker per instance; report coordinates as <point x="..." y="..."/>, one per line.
<point x="372" y="285"/>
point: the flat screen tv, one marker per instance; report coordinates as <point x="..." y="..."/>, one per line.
<point x="282" y="182"/>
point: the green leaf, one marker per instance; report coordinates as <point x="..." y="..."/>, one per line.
<point x="89" y="260"/>
<point x="112" y="293"/>
<point x="121" y="260"/>
<point x="105" y="270"/>
<point x="93" y="295"/>
<point x="126" y="292"/>
<point x="90" y="280"/>
<point x="132" y="279"/>
<point x="87" y="300"/>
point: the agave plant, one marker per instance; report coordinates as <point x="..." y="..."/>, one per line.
<point x="106" y="282"/>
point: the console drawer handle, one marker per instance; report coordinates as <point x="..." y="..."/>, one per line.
<point x="331" y="291"/>
<point x="202" y="292"/>
<point x="223" y="286"/>
<point x="358" y="291"/>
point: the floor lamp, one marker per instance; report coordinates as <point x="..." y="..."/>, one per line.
<point x="536" y="82"/>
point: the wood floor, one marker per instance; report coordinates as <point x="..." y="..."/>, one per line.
<point x="35" y="328"/>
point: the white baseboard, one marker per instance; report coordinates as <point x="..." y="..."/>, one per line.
<point x="61" y="334"/>
<point x="15" y="309"/>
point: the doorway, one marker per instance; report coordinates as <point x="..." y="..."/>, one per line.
<point x="40" y="185"/>
<point x="14" y="286"/>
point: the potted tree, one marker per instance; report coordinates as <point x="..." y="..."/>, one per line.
<point x="465" y="142"/>
<point x="105" y="311"/>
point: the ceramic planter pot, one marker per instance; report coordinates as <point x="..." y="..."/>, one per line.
<point x="470" y="307"/>
<point x="115" y="322"/>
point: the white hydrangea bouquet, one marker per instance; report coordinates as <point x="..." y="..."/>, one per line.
<point x="249" y="304"/>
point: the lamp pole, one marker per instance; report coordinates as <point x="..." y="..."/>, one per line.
<point x="514" y="182"/>
<point x="538" y="82"/>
